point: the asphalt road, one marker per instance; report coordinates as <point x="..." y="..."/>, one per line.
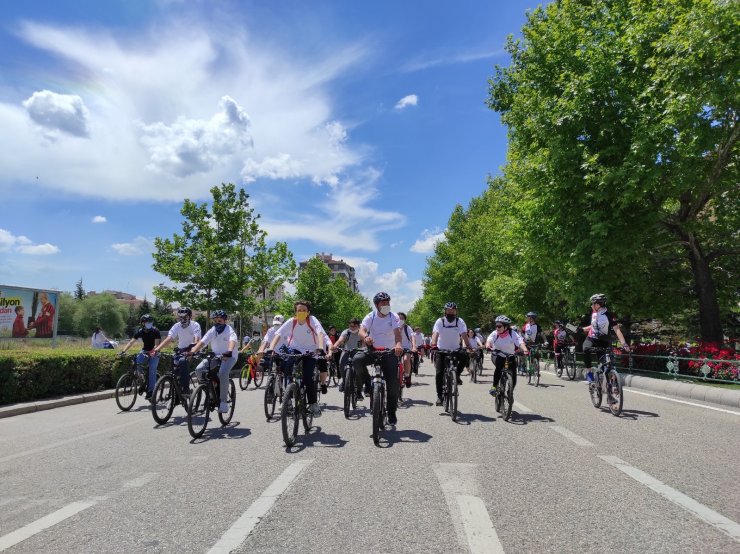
<point x="561" y="476"/>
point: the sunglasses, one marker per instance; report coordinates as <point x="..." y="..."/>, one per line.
<point x="499" y="326"/>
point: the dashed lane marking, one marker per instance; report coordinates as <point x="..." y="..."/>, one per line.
<point x="571" y="436"/>
<point x="35" y="527"/>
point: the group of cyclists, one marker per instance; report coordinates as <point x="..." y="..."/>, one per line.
<point x="360" y="344"/>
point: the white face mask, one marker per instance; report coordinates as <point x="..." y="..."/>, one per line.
<point x="385" y="310"/>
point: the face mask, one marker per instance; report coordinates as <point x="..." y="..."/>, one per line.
<point x="385" y="310"/>
<point x="450" y="317"/>
<point x="148" y="325"/>
<point x="220" y="327"/>
<point x="403" y="321"/>
<point x="301" y="316"/>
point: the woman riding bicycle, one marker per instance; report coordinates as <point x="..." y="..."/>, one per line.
<point x="504" y="341"/>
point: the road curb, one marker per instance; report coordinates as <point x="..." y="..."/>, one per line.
<point x="703" y="393"/>
<point x="41" y="405"/>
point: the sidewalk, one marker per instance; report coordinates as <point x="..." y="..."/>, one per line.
<point x="39" y="405"/>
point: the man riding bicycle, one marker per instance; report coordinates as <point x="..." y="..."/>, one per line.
<point x="348" y="340"/>
<point x="449" y="333"/>
<point x="187" y="333"/>
<point x="408" y="341"/>
<point x="150" y="337"/>
<point x="380" y="329"/>
<point x="602" y="323"/>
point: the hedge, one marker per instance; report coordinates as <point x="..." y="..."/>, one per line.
<point x="36" y="375"/>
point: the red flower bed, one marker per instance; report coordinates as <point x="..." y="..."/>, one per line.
<point x="715" y="354"/>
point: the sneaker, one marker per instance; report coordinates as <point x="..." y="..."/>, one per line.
<point x="148" y="395"/>
<point x="459" y="381"/>
<point x="223" y="408"/>
<point x="493" y="391"/>
<point x="360" y="398"/>
<point x="439" y="401"/>
<point x="142" y="388"/>
<point x="341" y="386"/>
<point x="408" y="381"/>
<point x="324" y="389"/>
<point x="590" y="376"/>
<point x="315" y="410"/>
<point x="392" y="419"/>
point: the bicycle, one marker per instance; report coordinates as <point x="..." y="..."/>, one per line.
<point x="611" y="383"/>
<point x="167" y="393"/>
<point x="251" y="372"/>
<point x="568" y="361"/>
<point x="450" y="392"/>
<point x="350" y="393"/>
<point x="275" y="387"/>
<point x="476" y="365"/>
<point x="333" y="371"/>
<point x="295" y="402"/>
<point x="206" y="397"/>
<point x="132" y="383"/>
<point x="504" y="393"/>
<point x="378" y="393"/>
<point x="533" y="366"/>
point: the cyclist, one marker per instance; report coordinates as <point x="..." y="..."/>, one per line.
<point x="408" y="341"/>
<point x="348" y="340"/>
<point x="449" y="333"/>
<point x="303" y="334"/>
<point x="419" y="352"/>
<point x="333" y="337"/>
<point x="602" y="323"/>
<point x="474" y="345"/>
<point x="560" y="341"/>
<point x="223" y="341"/>
<point x="150" y="337"/>
<point x="187" y="332"/>
<point x="503" y="341"/>
<point x="277" y="321"/>
<point x="251" y="344"/>
<point x="381" y="328"/>
<point x="482" y="339"/>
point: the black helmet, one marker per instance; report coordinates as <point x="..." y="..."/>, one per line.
<point x="598" y="298"/>
<point x="146" y="318"/>
<point x="219" y="313"/>
<point x="450" y="306"/>
<point x="380" y="297"/>
<point x="531" y="314"/>
<point x="558" y="322"/>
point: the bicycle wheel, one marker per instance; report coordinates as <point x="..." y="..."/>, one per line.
<point x="244" y="378"/>
<point x="473" y="371"/>
<point x="570" y="366"/>
<point x="307" y="412"/>
<point x="334" y="371"/>
<point x="497" y="400"/>
<point x="163" y="399"/>
<point x="199" y="412"/>
<point x="225" y="418"/>
<point x="453" y="400"/>
<point x="559" y="370"/>
<point x="530" y="371"/>
<point x="259" y="376"/>
<point x="289" y="414"/>
<point x="507" y="399"/>
<point x="349" y="391"/>
<point x="270" y="397"/>
<point x="378" y="416"/>
<point x="537" y="375"/>
<point x="594" y="389"/>
<point x="614" y="396"/>
<point x="126" y="391"/>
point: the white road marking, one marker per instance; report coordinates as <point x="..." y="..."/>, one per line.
<point x="632" y="391"/>
<point x="35" y="527"/>
<point x="67" y="441"/>
<point x="469" y="515"/>
<point x="243" y="526"/>
<point x="521" y="408"/>
<point x="139" y="482"/>
<point x="570" y="435"/>
<point x="701" y="511"/>
<point x="482" y="537"/>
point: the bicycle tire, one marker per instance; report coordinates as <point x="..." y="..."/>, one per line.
<point x="378" y="423"/>
<point x="334" y="374"/>
<point x="559" y="370"/>
<point x="163" y="399"/>
<point x="507" y="399"/>
<point x="244" y="378"/>
<point x="270" y="398"/>
<point x="570" y="366"/>
<point x="199" y="412"/>
<point x="614" y="385"/>
<point x="225" y="418"/>
<point x="446" y="394"/>
<point x="259" y="376"/>
<point x="530" y="371"/>
<point x="289" y="415"/>
<point x="453" y="400"/>
<point x="594" y="390"/>
<point x="497" y="400"/>
<point x="473" y="371"/>
<point x="306" y="411"/>
<point x="349" y="392"/>
<point x="126" y="391"/>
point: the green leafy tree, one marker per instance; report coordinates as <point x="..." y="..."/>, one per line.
<point x="163" y="315"/>
<point x="209" y="261"/>
<point x="270" y="268"/>
<point x="67" y="307"/>
<point x="101" y="310"/>
<point x="623" y="128"/>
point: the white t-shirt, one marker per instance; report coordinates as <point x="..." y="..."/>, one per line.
<point x="220" y="341"/>
<point x="419" y="339"/>
<point x="406" y="341"/>
<point x="267" y="341"/>
<point x="98" y="340"/>
<point x="185" y="335"/>
<point x="599" y="324"/>
<point x="474" y="342"/>
<point x="507" y="343"/>
<point x="381" y="329"/>
<point x="449" y="333"/>
<point x="301" y="337"/>
<point x="530" y="332"/>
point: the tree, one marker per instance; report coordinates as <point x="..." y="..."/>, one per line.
<point x="79" y="291"/>
<point x="623" y="128"/>
<point x="163" y="317"/>
<point x="101" y="310"/>
<point x="270" y="268"/>
<point x="66" y="309"/>
<point x="209" y="261"/>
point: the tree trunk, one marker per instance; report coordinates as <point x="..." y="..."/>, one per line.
<point x="709" y="315"/>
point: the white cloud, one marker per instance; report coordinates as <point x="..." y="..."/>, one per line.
<point x="58" y="112"/>
<point x="140" y="245"/>
<point x="99" y="219"/>
<point x="148" y="110"/>
<point x="451" y="59"/>
<point x="406" y="101"/>
<point x="428" y="241"/>
<point x="404" y="293"/>
<point x="23" y="245"/>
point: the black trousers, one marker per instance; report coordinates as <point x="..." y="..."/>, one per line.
<point x="588" y="345"/>
<point x="440" y="361"/>
<point x="499" y="362"/>
<point x="389" y="365"/>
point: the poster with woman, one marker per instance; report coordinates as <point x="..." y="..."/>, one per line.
<point x="27" y="313"/>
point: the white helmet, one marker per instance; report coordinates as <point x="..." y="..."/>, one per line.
<point x="278" y="320"/>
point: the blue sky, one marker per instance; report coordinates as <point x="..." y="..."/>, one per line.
<point x="354" y="126"/>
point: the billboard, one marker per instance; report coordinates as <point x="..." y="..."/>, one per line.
<point x="28" y="313"/>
